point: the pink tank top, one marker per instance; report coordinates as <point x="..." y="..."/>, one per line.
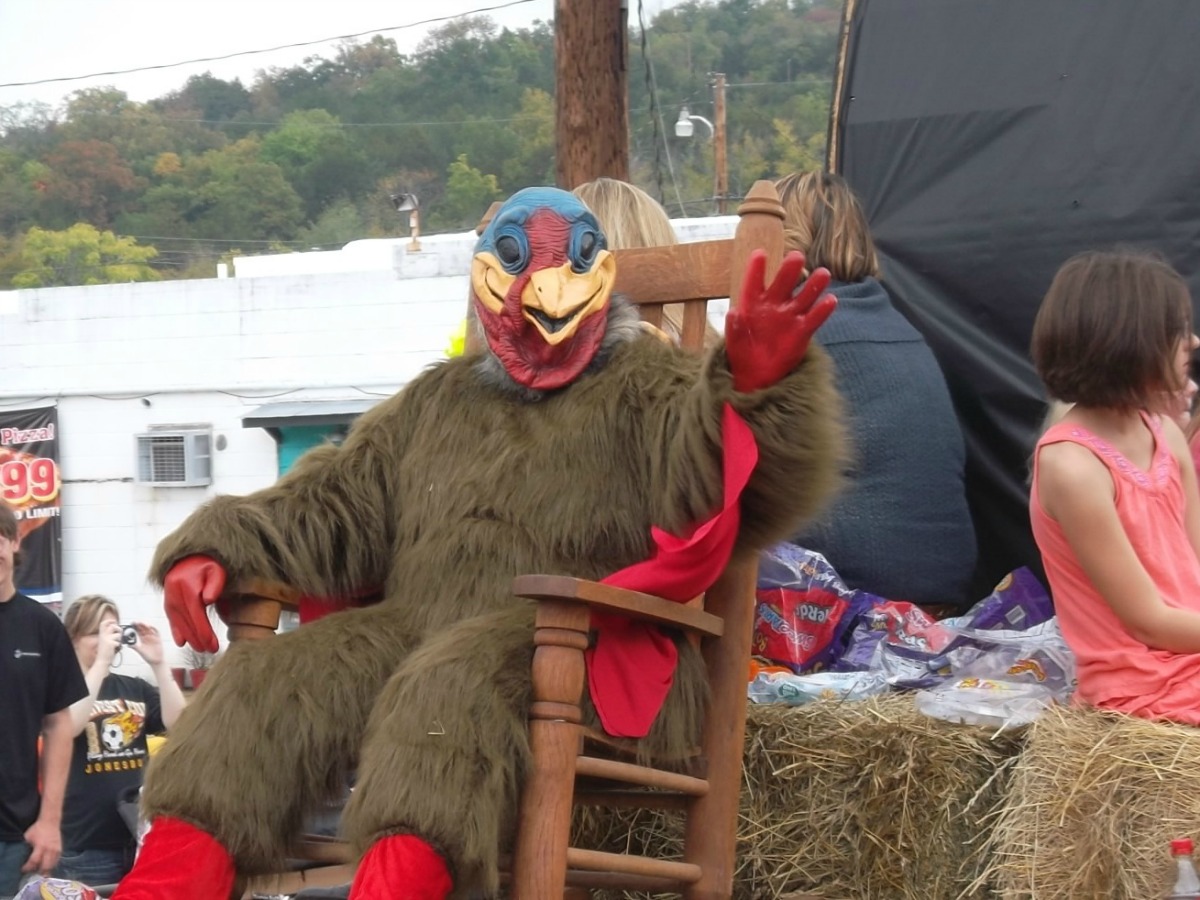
<point x="1115" y="670"/>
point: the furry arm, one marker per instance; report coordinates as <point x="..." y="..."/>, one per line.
<point x="325" y="528"/>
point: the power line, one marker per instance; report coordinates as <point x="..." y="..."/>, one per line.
<point x="171" y="120"/>
<point x="206" y="59"/>
<point x="153" y="237"/>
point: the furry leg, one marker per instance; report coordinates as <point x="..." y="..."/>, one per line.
<point x="401" y="866"/>
<point x="447" y="747"/>
<point x="178" y="862"/>
<point x="274" y="732"/>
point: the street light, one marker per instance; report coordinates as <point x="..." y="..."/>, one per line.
<point x="685" y="129"/>
<point x="408" y="203"/>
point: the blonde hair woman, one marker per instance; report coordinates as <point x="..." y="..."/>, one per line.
<point x="110" y="724"/>
<point x="901" y="527"/>
<point x="629" y="218"/>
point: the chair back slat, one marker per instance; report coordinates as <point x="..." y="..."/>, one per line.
<point x="696" y="271"/>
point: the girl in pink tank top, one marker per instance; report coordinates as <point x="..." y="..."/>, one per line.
<point x="1114" y="502"/>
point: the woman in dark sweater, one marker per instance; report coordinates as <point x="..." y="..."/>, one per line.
<point x="900" y="528"/>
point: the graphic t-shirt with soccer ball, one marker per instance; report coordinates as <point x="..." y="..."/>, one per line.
<point x="109" y="757"/>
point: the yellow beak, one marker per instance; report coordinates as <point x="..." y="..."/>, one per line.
<point x="556" y="300"/>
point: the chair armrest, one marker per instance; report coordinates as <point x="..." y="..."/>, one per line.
<point x="264" y="589"/>
<point x="631" y="604"/>
<point x="251" y="607"/>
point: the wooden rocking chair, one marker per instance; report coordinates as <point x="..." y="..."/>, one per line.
<point x="543" y="865"/>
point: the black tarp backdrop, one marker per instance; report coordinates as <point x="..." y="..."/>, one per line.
<point x="990" y="140"/>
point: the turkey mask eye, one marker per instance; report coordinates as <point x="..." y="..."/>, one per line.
<point x="586" y="244"/>
<point x="508" y="250"/>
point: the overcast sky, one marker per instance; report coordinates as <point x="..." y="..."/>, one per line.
<point x="46" y="39"/>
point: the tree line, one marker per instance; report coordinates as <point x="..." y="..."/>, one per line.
<point x="108" y="189"/>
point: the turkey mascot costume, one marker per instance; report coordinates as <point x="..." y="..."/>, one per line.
<point x="574" y="443"/>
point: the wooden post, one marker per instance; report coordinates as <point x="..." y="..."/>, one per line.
<point x="591" y="96"/>
<point x="720" y="157"/>
<point x="833" y="141"/>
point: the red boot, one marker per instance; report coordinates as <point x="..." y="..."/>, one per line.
<point x="178" y="862"/>
<point x="401" y="866"/>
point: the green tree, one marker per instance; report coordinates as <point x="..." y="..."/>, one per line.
<point x="82" y="254"/>
<point x="369" y="121"/>
<point x="87" y="181"/>
<point x="27" y="129"/>
<point x="469" y="192"/>
<point x="19" y="197"/>
<point x="338" y="224"/>
<point x="212" y="99"/>
<point x="138" y="132"/>
<point x="222" y="198"/>
<point x="533" y="161"/>
<point x="319" y="159"/>
<point x="250" y="203"/>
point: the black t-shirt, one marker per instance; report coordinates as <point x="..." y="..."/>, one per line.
<point x="110" y="755"/>
<point x="39" y="675"/>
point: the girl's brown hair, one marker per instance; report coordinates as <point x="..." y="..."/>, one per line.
<point x="83" y="616"/>
<point x="823" y="219"/>
<point x="1108" y="329"/>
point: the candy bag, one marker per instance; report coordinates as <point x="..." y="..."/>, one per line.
<point x="39" y="888"/>
<point x="804" y="611"/>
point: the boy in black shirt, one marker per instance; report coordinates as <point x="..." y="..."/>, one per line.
<point x="41" y="679"/>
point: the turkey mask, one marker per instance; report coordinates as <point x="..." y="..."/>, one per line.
<point x="541" y="280"/>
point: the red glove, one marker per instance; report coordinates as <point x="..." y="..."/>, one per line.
<point x="180" y="861"/>
<point x="767" y="332"/>
<point x="401" y="865"/>
<point x="190" y="586"/>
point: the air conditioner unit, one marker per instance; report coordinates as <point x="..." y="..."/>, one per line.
<point x="175" y="458"/>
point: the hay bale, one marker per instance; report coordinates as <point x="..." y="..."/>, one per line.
<point x="865" y="800"/>
<point x="1093" y="803"/>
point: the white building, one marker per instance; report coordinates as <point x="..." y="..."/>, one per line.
<point x="265" y="364"/>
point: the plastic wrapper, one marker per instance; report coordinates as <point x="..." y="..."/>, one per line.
<point x="984" y="701"/>
<point x="39" y="888"/>
<point x="796" y="690"/>
<point x="915" y="652"/>
<point x="1004" y="678"/>
<point x="1018" y="602"/>
<point x="901" y="642"/>
<point x="804" y="611"/>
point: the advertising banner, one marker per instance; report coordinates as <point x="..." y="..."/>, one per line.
<point x="30" y="482"/>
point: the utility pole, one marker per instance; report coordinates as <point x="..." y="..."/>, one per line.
<point x="591" y="130"/>
<point x="720" y="160"/>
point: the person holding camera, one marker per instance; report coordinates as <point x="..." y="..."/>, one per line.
<point x="110" y="724"/>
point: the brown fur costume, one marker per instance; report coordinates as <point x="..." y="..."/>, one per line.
<point x="442" y="494"/>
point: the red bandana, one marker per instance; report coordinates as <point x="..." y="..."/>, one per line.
<point x="632" y="664"/>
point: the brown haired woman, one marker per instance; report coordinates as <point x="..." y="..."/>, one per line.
<point x="901" y="527"/>
<point x="110" y="724"/>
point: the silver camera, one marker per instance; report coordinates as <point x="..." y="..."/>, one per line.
<point x="129" y="635"/>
